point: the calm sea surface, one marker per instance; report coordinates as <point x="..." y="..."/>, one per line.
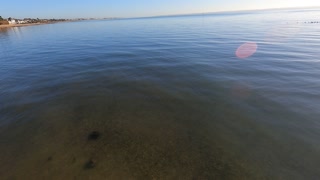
<point x="168" y="98"/>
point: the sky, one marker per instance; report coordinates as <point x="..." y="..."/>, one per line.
<point x="135" y="8"/>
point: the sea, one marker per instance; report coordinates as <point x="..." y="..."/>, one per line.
<point x="229" y="95"/>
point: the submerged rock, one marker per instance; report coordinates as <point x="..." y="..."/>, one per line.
<point x="49" y="158"/>
<point x="94" y="135"/>
<point x="90" y="164"/>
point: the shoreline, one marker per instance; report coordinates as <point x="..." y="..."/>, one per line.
<point x="29" y="24"/>
<point x="21" y="25"/>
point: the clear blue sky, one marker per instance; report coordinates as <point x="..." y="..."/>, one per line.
<point x="134" y="8"/>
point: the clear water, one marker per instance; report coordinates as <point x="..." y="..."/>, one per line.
<point x="168" y="95"/>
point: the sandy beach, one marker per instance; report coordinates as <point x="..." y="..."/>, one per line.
<point x="20" y="25"/>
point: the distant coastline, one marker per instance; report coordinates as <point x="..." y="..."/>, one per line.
<point x="21" y="25"/>
<point x="43" y="22"/>
<point x="35" y="24"/>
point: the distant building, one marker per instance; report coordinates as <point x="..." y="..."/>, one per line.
<point x="21" y="22"/>
<point x="12" y="21"/>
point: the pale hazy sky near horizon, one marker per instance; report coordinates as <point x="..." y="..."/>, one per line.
<point x="136" y="8"/>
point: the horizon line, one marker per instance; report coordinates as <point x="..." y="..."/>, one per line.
<point x="182" y="14"/>
<point x="212" y="12"/>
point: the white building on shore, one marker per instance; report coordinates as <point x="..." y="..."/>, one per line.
<point x="16" y="21"/>
<point x="21" y="22"/>
<point x="12" y="21"/>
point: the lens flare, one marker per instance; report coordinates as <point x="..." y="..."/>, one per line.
<point x="246" y="50"/>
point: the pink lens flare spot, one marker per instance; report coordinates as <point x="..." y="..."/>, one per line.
<point x="246" y="50"/>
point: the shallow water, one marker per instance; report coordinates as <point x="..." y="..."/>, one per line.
<point x="169" y="97"/>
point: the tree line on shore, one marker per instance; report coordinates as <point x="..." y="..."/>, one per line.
<point x="3" y="22"/>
